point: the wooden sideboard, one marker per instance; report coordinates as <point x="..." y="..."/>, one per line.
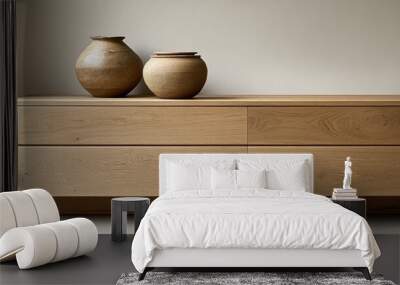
<point x="85" y="147"/>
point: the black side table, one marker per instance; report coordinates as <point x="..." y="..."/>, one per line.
<point x="120" y="207"/>
<point x="358" y="206"/>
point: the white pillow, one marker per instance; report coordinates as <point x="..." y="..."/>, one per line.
<point x="223" y="179"/>
<point x="290" y="175"/>
<point x="251" y="178"/>
<point x="186" y="175"/>
<point x="226" y="179"/>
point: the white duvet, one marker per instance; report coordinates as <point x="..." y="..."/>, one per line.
<point x="250" y="219"/>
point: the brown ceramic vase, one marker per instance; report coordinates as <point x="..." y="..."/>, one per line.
<point x="108" y="67"/>
<point x="179" y="75"/>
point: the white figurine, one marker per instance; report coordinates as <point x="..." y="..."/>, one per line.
<point x="347" y="173"/>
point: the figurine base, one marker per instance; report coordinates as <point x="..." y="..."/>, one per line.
<point x="344" y="194"/>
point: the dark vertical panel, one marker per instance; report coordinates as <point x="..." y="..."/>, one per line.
<point x="8" y="118"/>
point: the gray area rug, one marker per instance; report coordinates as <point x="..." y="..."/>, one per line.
<point x="269" y="278"/>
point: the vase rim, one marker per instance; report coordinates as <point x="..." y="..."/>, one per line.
<point x="175" y="53"/>
<point x="113" y="38"/>
<point x="176" y="56"/>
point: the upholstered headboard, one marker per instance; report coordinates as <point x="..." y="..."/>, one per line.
<point x="210" y="157"/>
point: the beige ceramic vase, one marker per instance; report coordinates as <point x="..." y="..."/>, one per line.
<point x="179" y="75"/>
<point x="108" y="67"/>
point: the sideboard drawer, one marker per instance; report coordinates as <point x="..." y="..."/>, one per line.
<point x="324" y="126"/>
<point x="99" y="125"/>
<point x="99" y="170"/>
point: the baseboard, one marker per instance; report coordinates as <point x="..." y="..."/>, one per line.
<point x="102" y="205"/>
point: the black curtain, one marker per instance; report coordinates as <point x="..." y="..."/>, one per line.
<point x="8" y="99"/>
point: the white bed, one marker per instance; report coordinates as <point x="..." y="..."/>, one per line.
<point x="249" y="227"/>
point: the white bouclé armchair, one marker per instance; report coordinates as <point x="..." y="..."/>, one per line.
<point x="31" y="230"/>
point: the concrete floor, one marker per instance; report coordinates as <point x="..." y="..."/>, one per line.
<point x="384" y="224"/>
<point x="110" y="259"/>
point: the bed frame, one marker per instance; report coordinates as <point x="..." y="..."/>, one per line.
<point x="237" y="258"/>
<point x="257" y="258"/>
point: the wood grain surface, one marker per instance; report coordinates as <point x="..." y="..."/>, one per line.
<point x="323" y="126"/>
<point x="206" y="100"/>
<point x="116" y="171"/>
<point x="375" y="169"/>
<point x="98" y="171"/>
<point x="85" y="125"/>
<point x="80" y="146"/>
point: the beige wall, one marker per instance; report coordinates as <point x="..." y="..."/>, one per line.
<point x="250" y="46"/>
